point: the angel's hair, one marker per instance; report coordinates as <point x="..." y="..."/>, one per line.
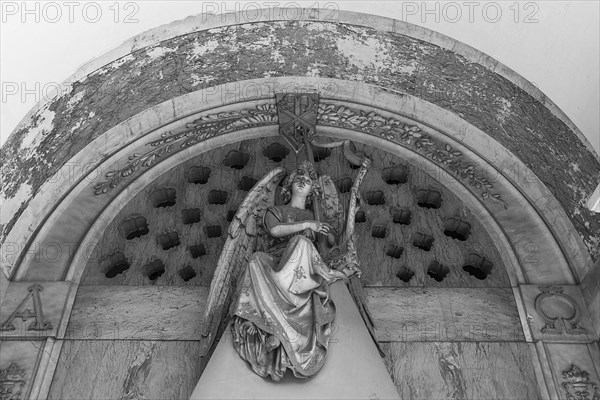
<point x="306" y="168"/>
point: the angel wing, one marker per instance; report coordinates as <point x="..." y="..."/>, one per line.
<point x="244" y="238"/>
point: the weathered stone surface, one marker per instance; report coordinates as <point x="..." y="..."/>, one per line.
<point x="138" y="312"/>
<point x="108" y="369"/>
<point x="445" y="370"/>
<point x="590" y="290"/>
<point x="435" y="314"/>
<point x="204" y="59"/>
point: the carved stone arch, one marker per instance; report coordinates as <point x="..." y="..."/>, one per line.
<point x="22" y="234"/>
<point x="64" y="206"/>
<point x="445" y="131"/>
<point x="508" y="253"/>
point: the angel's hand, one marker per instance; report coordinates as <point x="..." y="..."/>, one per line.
<point x="352" y="269"/>
<point x="319" y="227"/>
<point x="251" y="329"/>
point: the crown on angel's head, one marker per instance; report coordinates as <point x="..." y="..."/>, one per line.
<point x="306" y="168"/>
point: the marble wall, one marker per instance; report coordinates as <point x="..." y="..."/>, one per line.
<point x="462" y="370"/>
<point x="137" y="369"/>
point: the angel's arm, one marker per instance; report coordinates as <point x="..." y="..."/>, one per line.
<point x="280" y="229"/>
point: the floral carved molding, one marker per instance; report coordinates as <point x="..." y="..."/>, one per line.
<point x="409" y="136"/>
<point x="203" y="128"/>
<point x="213" y="125"/>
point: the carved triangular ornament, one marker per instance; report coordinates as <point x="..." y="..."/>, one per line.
<point x="297" y="114"/>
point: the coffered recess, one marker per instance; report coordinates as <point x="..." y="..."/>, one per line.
<point x="179" y="242"/>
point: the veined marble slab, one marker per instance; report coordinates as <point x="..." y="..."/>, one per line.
<point x="113" y="369"/>
<point x="401" y="314"/>
<point x="443" y="370"/>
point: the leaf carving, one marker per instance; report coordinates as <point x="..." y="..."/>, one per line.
<point x="203" y="128"/>
<point x="407" y="135"/>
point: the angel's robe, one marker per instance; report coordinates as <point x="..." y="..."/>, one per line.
<point x="283" y="317"/>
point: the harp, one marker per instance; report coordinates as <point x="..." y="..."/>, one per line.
<point x="342" y="253"/>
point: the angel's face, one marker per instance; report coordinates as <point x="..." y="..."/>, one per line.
<point x="302" y="185"/>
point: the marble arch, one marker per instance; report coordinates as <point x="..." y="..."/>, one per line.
<point x="59" y="215"/>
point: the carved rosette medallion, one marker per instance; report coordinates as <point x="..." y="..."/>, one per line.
<point x="558" y="310"/>
<point x="578" y="386"/>
<point x="12" y="382"/>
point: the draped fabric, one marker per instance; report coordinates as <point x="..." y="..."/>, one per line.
<point x="283" y="318"/>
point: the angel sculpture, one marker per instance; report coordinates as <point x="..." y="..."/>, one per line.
<point x="276" y="280"/>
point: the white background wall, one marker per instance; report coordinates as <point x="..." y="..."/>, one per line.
<point x="554" y="44"/>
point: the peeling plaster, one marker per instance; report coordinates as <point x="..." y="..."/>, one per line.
<point x="158" y="52"/>
<point x="200" y="49"/>
<point x="76" y="99"/>
<point x="9" y="209"/>
<point x="504" y="110"/>
<point x="38" y="128"/>
<point x="112" y="66"/>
